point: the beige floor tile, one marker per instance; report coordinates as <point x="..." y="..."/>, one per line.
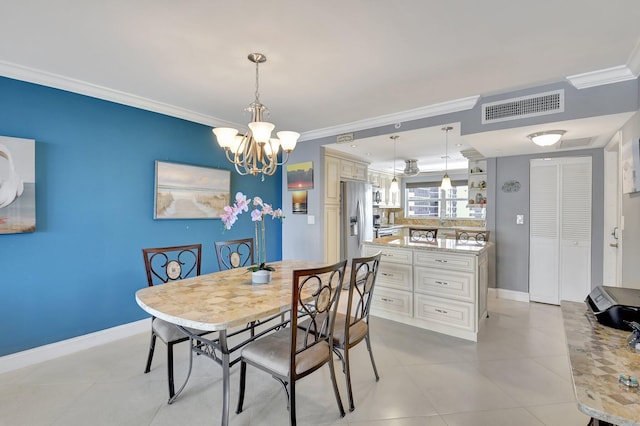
<point x="560" y="414"/>
<point x="506" y="417"/>
<point x="517" y="371"/>
<point x="528" y="382"/>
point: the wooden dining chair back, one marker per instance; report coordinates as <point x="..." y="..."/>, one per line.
<point x="467" y="235"/>
<point x="166" y="264"/>
<point x="297" y="351"/>
<point x="417" y="234"/>
<point x="235" y="253"/>
<point x="353" y="328"/>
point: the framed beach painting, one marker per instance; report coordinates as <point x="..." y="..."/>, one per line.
<point x="183" y="191"/>
<point x="17" y="185"/>
<point x="300" y="176"/>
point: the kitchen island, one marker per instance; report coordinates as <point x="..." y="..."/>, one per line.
<point x="438" y="285"/>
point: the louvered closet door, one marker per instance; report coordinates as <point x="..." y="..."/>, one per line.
<point x="544" y="232"/>
<point x="560" y="230"/>
<point x="575" y="231"/>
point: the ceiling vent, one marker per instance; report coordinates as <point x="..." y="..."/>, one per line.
<point x="523" y="107"/>
<point x="411" y="168"/>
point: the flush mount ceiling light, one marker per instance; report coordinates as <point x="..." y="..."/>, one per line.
<point x="546" y="138"/>
<point x="411" y="168"/>
<point x="256" y="151"/>
<point x="446" y="181"/>
<point x="393" y="188"/>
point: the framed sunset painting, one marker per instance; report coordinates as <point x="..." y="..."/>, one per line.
<point x="300" y="176"/>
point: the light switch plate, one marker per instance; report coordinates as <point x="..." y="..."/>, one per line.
<point x="519" y="219"/>
<point x="311" y="220"/>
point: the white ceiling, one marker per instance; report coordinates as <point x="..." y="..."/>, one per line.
<point x="329" y="63"/>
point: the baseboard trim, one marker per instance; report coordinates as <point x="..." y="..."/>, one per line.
<point x="502" y="293"/>
<point x="69" y="346"/>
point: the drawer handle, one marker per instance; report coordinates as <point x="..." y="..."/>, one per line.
<point x="442" y="282"/>
<point x="441" y="260"/>
<point x="384" y="299"/>
<point x="441" y="311"/>
<point x="386" y="274"/>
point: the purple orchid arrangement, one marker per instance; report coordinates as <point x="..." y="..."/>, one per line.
<point x="259" y="212"/>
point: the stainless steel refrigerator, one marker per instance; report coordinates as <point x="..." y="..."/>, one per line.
<point x="356" y="218"/>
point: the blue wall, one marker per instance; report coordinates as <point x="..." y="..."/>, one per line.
<point x="79" y="271"/>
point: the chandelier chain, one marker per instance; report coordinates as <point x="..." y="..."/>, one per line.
<point x="257" y="83"/>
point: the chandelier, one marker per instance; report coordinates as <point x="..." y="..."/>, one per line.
<point x="256" y="151"/>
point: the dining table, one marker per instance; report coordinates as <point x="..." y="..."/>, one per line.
<point x="226" y="302"/>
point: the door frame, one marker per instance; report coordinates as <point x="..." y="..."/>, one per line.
<point x="612" y="215"/>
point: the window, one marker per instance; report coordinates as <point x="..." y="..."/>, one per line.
<point x="426" y="200"/>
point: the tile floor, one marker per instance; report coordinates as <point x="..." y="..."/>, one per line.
<point x="517" y="374"/>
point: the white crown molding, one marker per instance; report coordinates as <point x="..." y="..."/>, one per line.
<point x="398" y="117"/>
<point x="601" y="77"/>
<point x="634" y="60"/>
<point x="31" y="75"/>
<point x="69" y="346"/>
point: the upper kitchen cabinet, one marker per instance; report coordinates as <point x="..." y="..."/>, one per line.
<point x="353" y="170"/>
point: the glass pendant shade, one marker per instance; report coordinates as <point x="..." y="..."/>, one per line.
<point x="225" y="135"/>
<point x="446" y="183"/>
<point x="394" y="185"/>
<point x="288" y="140"/>
<point x="261" y="130"/>
<point x="272" y="146"/>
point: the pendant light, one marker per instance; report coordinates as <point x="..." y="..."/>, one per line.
<point x="394" y="182"/>
<point x="446" y="181"/>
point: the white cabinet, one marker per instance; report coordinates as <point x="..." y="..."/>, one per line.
<point x="331" y="180"/>
<point x="332" y="233"/>
<point x="394" y="280"/>
<point x="437" y="290"/>
<point x="353" y="170"/>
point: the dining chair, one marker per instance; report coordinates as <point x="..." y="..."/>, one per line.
<point x="352" y="327"/>
<point x="466" y="235"/>
<point x="293" y="353"/>
<point x="164" y="264"/>
<point x="416" y="234"/>
<point x="234" y="253"/>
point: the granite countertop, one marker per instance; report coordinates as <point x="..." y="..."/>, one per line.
<point x="598" y="355"/>
<point x="440" y="244"/>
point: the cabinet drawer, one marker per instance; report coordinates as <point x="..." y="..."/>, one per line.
<point x="391" y="255"/>
<point x="459" y="285"/>
<point x="447" y="312"/>
<point x="398" y="302"/>
<point x="395" y="275"/>
<point x="459" y="262"/>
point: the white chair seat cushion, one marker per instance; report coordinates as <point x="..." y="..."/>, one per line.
<point x="168" y="332"/>
<point x="357" y="331"/>
<point x="272" y="353"/>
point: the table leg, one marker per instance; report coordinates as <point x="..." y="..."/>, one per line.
<point x="224" y="349"/>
